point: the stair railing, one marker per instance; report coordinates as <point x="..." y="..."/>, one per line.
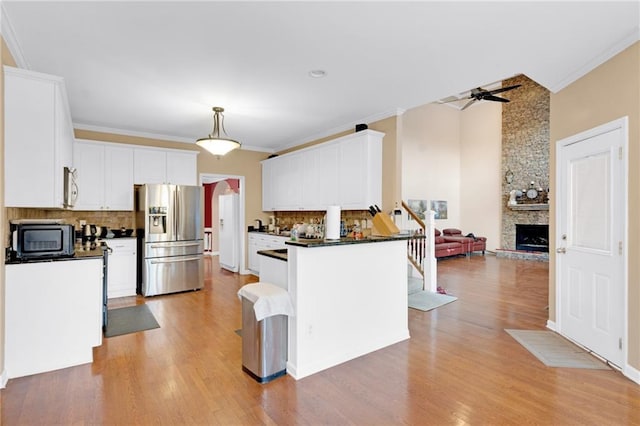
<point x="421" y="249"/>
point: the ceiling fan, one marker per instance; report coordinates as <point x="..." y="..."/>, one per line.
<point x="480" y="94"/>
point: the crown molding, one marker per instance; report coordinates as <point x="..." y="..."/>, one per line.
<point x="9" y="35"/>
<point x="349" y="126"/>
<point x="596" y="61"/>
<point x="154" y="136"/>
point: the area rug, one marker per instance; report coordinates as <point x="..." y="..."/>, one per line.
<point x="426" y="300"/>
<point x="129" y="320"/>
<point x="554" y="350"/>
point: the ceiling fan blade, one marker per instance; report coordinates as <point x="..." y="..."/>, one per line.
<point x="504" y="89"/>
<point x="446" y="101"/>
<point x="468" y="104"/>
<point x="495" y="98"/>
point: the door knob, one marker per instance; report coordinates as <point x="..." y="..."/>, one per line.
<point x="561" y="250"/>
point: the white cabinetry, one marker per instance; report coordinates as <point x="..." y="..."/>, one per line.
<point x="268" y="201"/>
<point x="360" y="172"/>
<point x="38" y="139"/>
<point x="121" y="273"/>
<point x="53" y="315"/>
<point x="320" y="179"/>
<point x="105" y="176"/>
<point x="182" y="168"/>
<point x="346" y="171"/>
<point x="287" y="183"/>
<point x="259" y="241"/>
<point x="153" y="165"/>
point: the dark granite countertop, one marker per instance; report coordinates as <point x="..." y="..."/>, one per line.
<point x="280" y="254"/>
<point x="302" y="242"/>
<point x="81" y="252"/>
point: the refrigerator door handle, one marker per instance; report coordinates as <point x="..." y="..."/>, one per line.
<point x="176" y="209"/>
<point x="160" y="246"/>
<point x="175" y="260"/>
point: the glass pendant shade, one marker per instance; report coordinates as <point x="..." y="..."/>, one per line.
<point x="216" y="143"/>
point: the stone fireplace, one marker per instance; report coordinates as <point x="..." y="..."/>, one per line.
<point x="525" y="158"/>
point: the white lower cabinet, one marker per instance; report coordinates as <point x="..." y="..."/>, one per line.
<point x="53" y="315"/>
<point x="259" y="241"/>
<point x="121" y="273"/>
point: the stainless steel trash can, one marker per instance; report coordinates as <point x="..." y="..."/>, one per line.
<point x="264" y="344"/>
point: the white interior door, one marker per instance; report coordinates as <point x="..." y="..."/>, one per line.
<point x="227" y="234"/>
<point x="590" y="246"/>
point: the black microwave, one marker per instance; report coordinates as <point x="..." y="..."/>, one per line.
<point x="42" y="240"/>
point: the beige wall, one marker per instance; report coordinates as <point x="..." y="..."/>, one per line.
<point x="455" y="156"/>
<point x="607" y="93"/>
<point x="480" y="172"/>
<point x="431" y="158"/>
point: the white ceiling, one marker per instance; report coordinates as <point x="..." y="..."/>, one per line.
<point x="155" y="68"/>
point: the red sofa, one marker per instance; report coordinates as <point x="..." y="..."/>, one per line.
<point x="444" y="248"/>
<point x="470" y="243"/>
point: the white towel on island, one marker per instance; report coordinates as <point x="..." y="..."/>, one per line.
<point x="268" y="299"/>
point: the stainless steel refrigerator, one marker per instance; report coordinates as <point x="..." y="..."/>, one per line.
<point x="173" y="245"/>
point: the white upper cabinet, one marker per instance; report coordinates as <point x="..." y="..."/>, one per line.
<point x="360" y="171"/>
<point x="346" y="171"/>
<point x="105" y="176"/>
<point x="153" y="165"/>
<point x="321" y="178"/>
<point x="286" y="178"/>
<point x="118" y="180"/>
<point x="182" y="168"/>
<point x="38" y="139"/>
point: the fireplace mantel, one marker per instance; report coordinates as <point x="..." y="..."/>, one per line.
<point x="523" y="206"/>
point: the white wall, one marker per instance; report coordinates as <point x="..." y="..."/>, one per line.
<point x="481" y="169"/>
<point x="431" y="158"/>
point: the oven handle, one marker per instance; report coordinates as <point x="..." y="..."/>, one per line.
<point x="171" y="245"/>
<point x="175" y="260"/>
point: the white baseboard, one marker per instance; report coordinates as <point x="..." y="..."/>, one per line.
<point x="3" y="379"/>
<point x="632" y="373"/>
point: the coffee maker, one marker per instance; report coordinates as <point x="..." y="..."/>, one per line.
<point x="272" y="223"/>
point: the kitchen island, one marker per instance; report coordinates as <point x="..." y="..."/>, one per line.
<point x="350" y="299"/>
<point x="53" y="312"/>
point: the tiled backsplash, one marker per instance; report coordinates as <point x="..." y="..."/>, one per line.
<point x="287" y="219"/>
<point x="110" y="219"/>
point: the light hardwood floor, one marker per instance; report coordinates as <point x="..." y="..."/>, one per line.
<point x="459" y="368"/>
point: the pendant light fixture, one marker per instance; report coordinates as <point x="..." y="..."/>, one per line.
<point x="218" y="143"/>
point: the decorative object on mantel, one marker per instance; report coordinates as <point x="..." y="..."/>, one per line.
<point x="513" y="194"/>
<point x="532" y="198"/>
<point x="216" y="143"/>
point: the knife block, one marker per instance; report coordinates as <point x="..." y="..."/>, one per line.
<point x="383" y="226"/>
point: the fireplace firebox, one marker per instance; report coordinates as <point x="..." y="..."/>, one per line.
<point x="532" y="237"/>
